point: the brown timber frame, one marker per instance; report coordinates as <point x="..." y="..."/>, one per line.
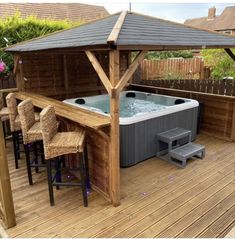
<point x="7" y="211"/>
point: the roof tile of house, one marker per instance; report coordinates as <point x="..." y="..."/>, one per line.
<point x="225" y="21"/>
<point x="57" y="11"/>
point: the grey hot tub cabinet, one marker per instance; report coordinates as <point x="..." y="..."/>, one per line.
<point x="138" y="140"/>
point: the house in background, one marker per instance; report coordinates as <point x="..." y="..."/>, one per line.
<point x="224" y="23"/>
<point x="57" y="11"/>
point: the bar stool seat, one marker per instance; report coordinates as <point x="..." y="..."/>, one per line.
<point x="4" y="118"/>
<point x="66" y="143"/>
<point x="35" y="132"/>
<point x="4" y="112"/>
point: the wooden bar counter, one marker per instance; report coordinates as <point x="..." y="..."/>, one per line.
<point x="98" y="139"/>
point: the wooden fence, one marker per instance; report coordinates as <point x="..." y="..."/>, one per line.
<point x="219" y="87"/>
<point x="7" y="82"/>
<point x="217" y="112"/>
<point x="173" y="68"/>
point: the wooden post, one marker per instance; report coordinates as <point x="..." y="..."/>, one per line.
<point x="114" y="134"/>
<point x="66" y="82"/>
<point x="232" y="136"/>
<point x="18" y="71"/>
<point x="5" y="186"/>
<point x="230" y="53"/>
<point x="202" y="70"/>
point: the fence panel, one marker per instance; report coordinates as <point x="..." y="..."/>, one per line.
<point x="192" y="68"/>
<point x="7" y="82"/>
<point x="219" y="87"/>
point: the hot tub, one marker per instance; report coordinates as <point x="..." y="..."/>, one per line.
<point x="142" y="116"/>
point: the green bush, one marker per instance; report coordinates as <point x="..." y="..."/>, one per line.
<point x="220" y="62"/>
<point x="168" y="54"/>
<point x="16" y="29"/>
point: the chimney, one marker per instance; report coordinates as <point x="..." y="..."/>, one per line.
<point x="211" y="13"/>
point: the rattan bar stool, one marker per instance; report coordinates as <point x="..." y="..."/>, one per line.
<point x="4" y="114"/>
<point x="32" y="136"/>
<point x="15" y="125"/>
<point x="58" y="144"/>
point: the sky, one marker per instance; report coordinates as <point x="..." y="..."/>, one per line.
<point x="174" y="10"/>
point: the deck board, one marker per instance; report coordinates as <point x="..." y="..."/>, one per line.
<point x="219" y="225"/>
<point x="158" y="199"/>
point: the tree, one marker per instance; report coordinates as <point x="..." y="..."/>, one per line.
<point x="168" y="54"/>
<point x="220" y="62"/>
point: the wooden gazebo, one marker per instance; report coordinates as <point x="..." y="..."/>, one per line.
<point x="95" y="58"/>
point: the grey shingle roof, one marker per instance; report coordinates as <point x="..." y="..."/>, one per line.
<point x="136" y="30"/>
<point x="144" y="30"/>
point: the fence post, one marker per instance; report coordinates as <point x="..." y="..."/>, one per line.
<point x="7" y="205"/>
<point x="232" y="136"/>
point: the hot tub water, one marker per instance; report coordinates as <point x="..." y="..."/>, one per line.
<point x="128" y="106"/>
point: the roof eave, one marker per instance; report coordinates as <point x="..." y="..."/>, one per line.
<point x="63" y="50"/>
<point x="171" y="47"/>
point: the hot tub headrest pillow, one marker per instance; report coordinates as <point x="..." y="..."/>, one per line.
<point x="179" y="101"/>
<point x="80" y="101"/>
<point x="130" y="95"/>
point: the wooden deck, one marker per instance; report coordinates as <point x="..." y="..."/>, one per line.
<point x="158" y="200"/>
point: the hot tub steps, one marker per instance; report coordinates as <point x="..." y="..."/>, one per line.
<point x="176" y="152"/>
<point x="182" y="153"/>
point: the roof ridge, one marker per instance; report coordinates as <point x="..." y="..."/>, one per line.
<point x="113" y="36"/>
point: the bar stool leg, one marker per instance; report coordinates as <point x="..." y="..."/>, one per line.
<point x="36" y="156"/>
<point x="18" y="144"/>
<point x="83" y="179"/>
<point x="58" y="172"/>
<point x="15" y="149"/>
<point x="27" y="156"/>
<point x="50" y="186"/>
<point x="41" y="150"/>
<point x="4" y="132"/>
<point x="88" y="185"/>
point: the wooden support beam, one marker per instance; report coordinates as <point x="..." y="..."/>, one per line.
<point x="16" y="63"/>
<point x="112" y="38"/>
<point x="5" y="186"/>
<point x="99" y="70"/>
<point x="66" y="79"/>
<point x="18" y="71"/>
<point x="114" y="134"/>
<point x="230" y="53"/>
<point x="130" y="71"/>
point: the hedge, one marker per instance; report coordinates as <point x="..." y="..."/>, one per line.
<point x="15" y="29"/>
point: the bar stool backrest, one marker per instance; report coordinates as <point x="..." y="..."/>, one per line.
<point x="49" y="127"/>
<point x="12" y="108"/>
<point x="27" y="117"/>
